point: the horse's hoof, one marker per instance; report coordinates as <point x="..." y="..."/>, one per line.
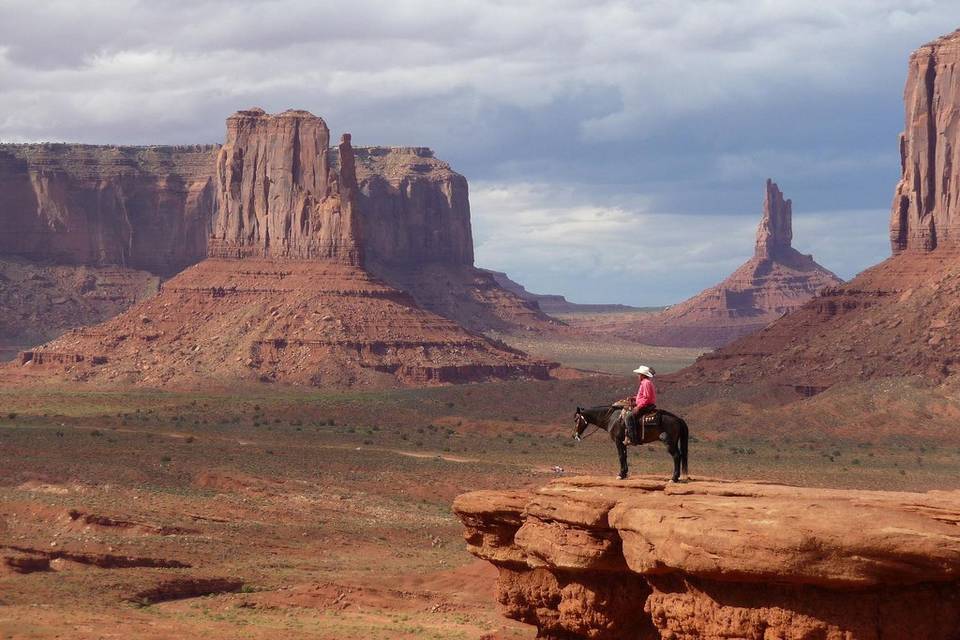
<point x="621" y="477"/>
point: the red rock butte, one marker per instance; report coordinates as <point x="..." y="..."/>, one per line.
<point x="777" y="280"/>
<point x="896" y="318"/>
<point x="290" y="292"/>
<point x="609" y="560"/>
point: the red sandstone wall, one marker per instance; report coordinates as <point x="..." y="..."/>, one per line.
<point x="147" y="208"/>
<point x="926" y="205"/>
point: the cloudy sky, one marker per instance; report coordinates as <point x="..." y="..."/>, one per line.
<point x="616" y="151"/>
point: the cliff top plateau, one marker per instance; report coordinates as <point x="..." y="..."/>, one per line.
<point x="588" y="557"/>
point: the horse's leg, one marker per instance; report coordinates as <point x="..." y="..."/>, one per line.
<point x="622" y="453"/>
<point x="675" y="454"/>
<point x="684" y="450"/>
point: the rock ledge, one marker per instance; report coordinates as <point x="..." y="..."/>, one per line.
<point x="589" y="557"/>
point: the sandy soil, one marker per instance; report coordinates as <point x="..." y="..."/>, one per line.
<point x="266" y="512"/>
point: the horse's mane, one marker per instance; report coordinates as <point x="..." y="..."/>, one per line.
<point x="600" y="412"/>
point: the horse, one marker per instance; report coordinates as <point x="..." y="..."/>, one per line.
<point x="673" y="432"/>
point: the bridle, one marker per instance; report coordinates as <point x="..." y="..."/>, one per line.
<point x="576" y="434"/>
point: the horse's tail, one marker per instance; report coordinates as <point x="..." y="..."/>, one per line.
<point x="684" y="446"/>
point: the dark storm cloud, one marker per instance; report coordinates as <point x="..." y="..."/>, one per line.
<point x="640" y="125"/>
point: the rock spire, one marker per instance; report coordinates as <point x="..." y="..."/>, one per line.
<point x="775" y="233"/>
<point x="777" y="280"/>
<point x="280" y="195"/>
<point x="926" y="205"/>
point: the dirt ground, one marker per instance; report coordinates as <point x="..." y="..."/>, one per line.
<point x="267" y="512"/>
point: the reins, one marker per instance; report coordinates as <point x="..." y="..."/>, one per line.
<point x="596" y="428"/>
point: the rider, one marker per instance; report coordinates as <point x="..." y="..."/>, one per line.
<point x="646" y="401"/>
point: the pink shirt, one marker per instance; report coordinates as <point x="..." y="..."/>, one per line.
<point x="646" y="394"/>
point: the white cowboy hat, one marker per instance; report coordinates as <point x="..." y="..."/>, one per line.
<point x="644" y="370"/>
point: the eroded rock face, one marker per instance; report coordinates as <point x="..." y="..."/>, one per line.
<point x="592" y="558"/>
<point x="775" y="233"/>
<point x="926" y="205"/>
<point x="777" y="280"/>
<point x="278" y="193"/>
<point x="146" y="208"/>
<point x="275" y="189"/>
<point x="415" y="209"/>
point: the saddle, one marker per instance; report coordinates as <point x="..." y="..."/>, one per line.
<point x="651" y="419"/>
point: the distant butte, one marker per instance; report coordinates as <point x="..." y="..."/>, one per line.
<point x="287" y="293"/>
<point x="777" y="280"/>
<point x="899" y="317"/>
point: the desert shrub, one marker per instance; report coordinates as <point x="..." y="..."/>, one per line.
<point x="166" y="459"/>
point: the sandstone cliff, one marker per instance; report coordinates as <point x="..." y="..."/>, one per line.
<point x="280" y="195"/>
<point x="286" y="296"/>
<point x="926" y="205"/>
<point x="416" y="234"/>
<point x="777" y="280"/>
<point x="276" y="188"/>
<point x="415" y="209"/>
<point x="146" y="208"/>
<point x="602" y="559"/>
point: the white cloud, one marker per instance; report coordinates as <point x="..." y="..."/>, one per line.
<point x="667" y="59"/>
<point x="573" y="107"/>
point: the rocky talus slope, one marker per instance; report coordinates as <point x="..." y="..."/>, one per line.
<point x="40" y="302"/>
<point x="896" y="318"/>
<point x="300" y="322"/>
<point x="777" y="280"/>
<point x="593" y="558"/>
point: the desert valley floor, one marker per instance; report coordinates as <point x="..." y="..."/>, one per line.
<point x="266" y="512"/>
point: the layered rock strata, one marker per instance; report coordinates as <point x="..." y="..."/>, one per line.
<point x="551" y="303"/>
<point x="592" y="558"/>
<point x="280" y="195"/>
<point x="146" y="208"/>
<point x="416" y="235"/>
<point x="776" y="281"/>
<point x="896" y="318"/>
<point x="285" y="296"/>
<point x="298" y="322"/>
<point x="276" y="189"/>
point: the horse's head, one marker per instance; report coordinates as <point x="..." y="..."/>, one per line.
<point x="580" y="425"/>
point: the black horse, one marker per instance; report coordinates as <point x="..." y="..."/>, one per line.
<point x="673" y="432"/>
